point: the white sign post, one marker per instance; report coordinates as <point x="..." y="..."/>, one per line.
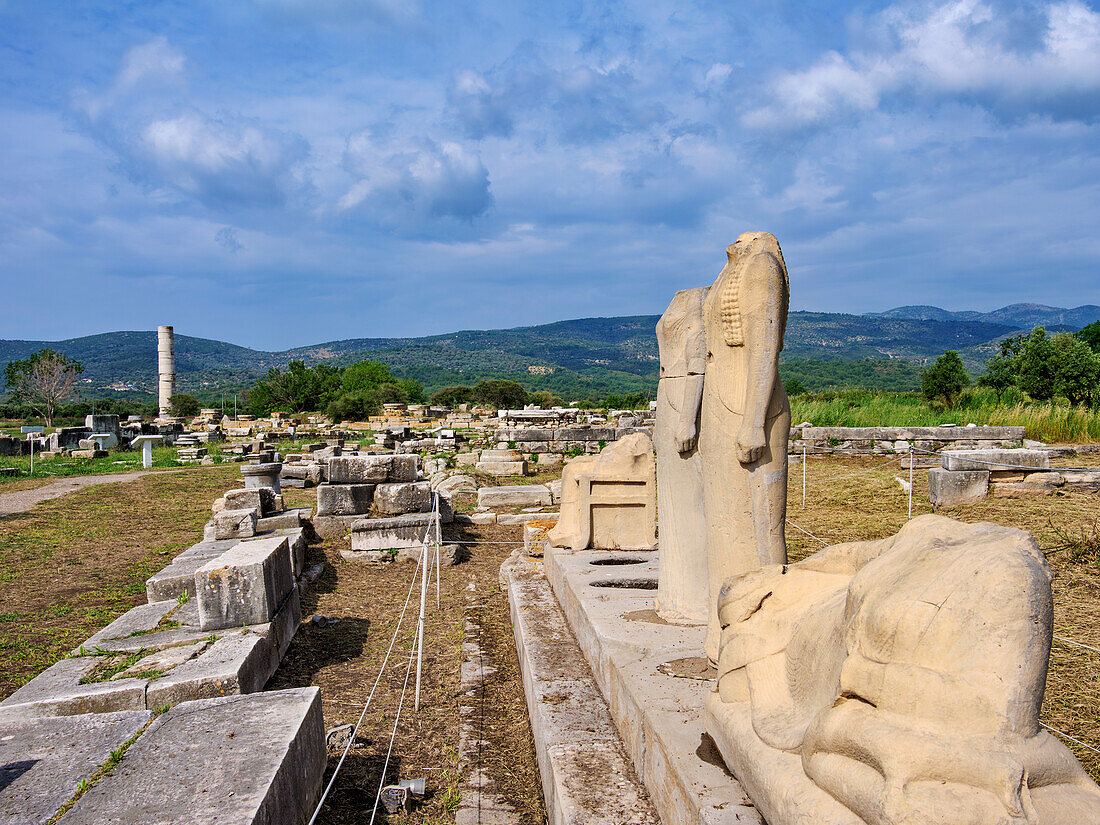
<point x="146" y="442"/>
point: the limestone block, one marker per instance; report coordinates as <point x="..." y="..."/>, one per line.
<point x="503" y="468"/>
<point x="456" y="484"/>
<point x="467" y="459"/>
<point x="404" y="468"/>
<point x="344" y="499"/>
<point x="359" y="469"/>
<point x="523" y="518"/>
<point x="57" y="691"/>
<point x="535" y="533"/>
<point x="389" y="533"/>
<point x="609" y="501"/>
<point x="1022" y="489"/>
<point x="231" y="759"/>
<point x="245" y="585"/>
<point x="994" y="459"/>
<point x="897" y="681"/>
<point x="261" y="499"/>
<point x="235" y="524"/>
<point x="42" y="761"/>
<point x="549" y="461"/>
<point x="476" y="518"/>
<point x="501" y="455"/>
<point x="525" y="495"/>
<point x="262" y="475"/>
<point x="950" y="488"/>
<point x="403" y="497"/>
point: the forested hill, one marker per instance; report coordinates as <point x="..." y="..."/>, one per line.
<point x="580" y="358"/>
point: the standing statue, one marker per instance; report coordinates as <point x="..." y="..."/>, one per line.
<point x="746" y="417"/>
<point x="683" y="590"/>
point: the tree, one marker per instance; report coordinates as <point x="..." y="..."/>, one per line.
<point x="1035" y="365"/>
<point x="355" y="406"/>
<point x="501" y="393"/>
<point x="392" y="393"/>
<point x="182" y="405"/>
<point x="299" y="389"/>
<point x="43" y="381"/>
<point x="945" y="379"/>
<point x="1000" y="374"/>
<point x="366" y="375"/>
<point x="1091" y="335"/>
<point x="453" y="396"/>
<point x="1076" y="369"/>
<point x="414" y="390"/>
<point x="794" y="387"/>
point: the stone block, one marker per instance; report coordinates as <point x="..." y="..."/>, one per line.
<point x="503" y="468"/>
<point x="404" y="497"/>
<point x="234" y="524"/>
<point x="995" y="459"/>
<point x="525" y="495"/>
<point x="476" y="518"/>
<point x="404" y="468"/>
<point x="467" y="459"/>
<point x="510" y="519"/>
<point x="245" y="585"/>
<point x="950" y="488"/>
<point x="260" y="499"/>
<point x="389" y="533"/>
<point x="456" y="484"/>
<point x="178" y="577"/>
<point x="344" y="499"/>
<point x="42" y="761"/>
<point x="549" y="461"/>
<point x="262" y="475"/>
<point x="501" y="455"/>
<point x="240" y="662"/>
<point x="57" y="691"/>
<point x="359" y="469"/>
<point x="236" y="759"/>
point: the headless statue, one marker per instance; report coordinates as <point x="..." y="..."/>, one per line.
<point x="746" y="418"/>
<point x="682" y="592"/>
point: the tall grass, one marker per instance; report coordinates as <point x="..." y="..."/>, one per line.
<point x="1047" y="421"/>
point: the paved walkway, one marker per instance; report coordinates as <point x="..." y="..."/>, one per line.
<point x="24" y="500"/>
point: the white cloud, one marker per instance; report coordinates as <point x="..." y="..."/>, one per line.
<point x="157" y="60"/>
<point x="957" y="48"/>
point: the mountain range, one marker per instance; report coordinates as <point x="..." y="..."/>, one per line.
<point x="583" y="358"/>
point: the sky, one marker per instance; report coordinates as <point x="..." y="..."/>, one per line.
<point x="277" y="173"/>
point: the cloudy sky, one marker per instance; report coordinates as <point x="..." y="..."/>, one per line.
<point x="283" y="172"/>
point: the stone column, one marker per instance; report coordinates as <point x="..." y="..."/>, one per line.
<point x="166" y="368"/>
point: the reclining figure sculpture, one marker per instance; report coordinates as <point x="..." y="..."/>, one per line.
<point x="897" y="682"/>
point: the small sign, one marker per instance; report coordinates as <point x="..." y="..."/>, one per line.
<point x="31" y="430"/>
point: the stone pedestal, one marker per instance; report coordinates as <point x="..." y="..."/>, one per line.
<point x="262" y="475"/>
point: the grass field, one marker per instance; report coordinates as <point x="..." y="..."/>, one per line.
<point x="1052" y="423"/>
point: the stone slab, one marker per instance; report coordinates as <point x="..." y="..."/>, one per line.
<point x="43" y="760"/>
<point x="502" y="468"/>
<point x="359" y="469"/>
<point x="241" y="661"/>
<point x="247" y="760"/>
<point x="344" y="499"/>
<point x="524" y="495"/>
<point x="657" y="713"/>
<point x="389" y="533"/>
<point x="523" y="518"/>
<point x="57" y="691"/>
<point x="995" y="459"/>
<point x="403" y="497"/>
<point x="235" y="524"/>
<point x="586" y="773"/>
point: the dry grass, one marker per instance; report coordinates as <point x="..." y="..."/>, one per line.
<point x="873" y="505"/>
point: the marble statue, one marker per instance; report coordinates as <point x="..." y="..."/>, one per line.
<point x="609" y="501"/>
<point x="897" y="682"/>
<point x="682" y="592"/>
<point x="745" y="417"/>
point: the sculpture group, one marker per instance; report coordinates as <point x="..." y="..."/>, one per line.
<point x="890" y="682"/>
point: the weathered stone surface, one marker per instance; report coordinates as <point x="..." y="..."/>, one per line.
<point x="241" y="661"/>
<point x="523" y="518"/>
<point x="476" y="518"/>
<point x="234" y="524"/>
<point x="535" y="532"/>
<point x="948" y="488"/>
<point x="57" y="691"/>
<point x="135" y="620"/>
<point x="467" y="459"/>
<point x="43" y="760"/>
<point x="503" y="468"/>
<point x="404" y="468"/>
<point x="160" y="660"/>
<point x="403" y="497"/>
<point x="262" y="475"/>
<point x="927" y="434"/>
<point x="260" y="499"/>
<point x="456" y="484"/>
<point x="359" y="469"/>
<point x="524" y="495"/>
<point x="245" y="585"/>
<point x="610" y="500"/>
<point x="344" y="499"/>
<point x="549" y="461"/>
<point x="501" y="455"/>
<point x="994" y="459"/>
<point x="255" y="759"/>
<point x="389" y="533"/>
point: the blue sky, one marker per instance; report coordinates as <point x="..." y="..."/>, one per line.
<point x="284" y="172"/>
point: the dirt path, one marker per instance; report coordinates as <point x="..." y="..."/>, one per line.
<point x="21" y="501"/>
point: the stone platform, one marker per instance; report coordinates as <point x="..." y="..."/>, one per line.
<point x="236" y="760"/>
<point x="654" y="678"/>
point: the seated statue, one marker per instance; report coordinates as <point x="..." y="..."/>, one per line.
<point x="897" y="682"/>
<point x="609" y="501"/>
